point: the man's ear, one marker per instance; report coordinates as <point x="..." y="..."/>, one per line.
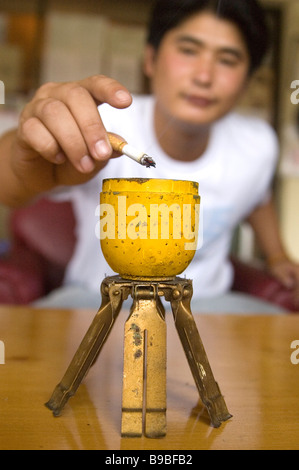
<point x="149" y="59"/>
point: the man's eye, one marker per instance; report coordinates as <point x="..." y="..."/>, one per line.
<point x="187" y="50"/>
<point x="230" y="62"/>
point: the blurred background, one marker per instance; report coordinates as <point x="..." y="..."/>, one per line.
<point x="51" y="40"/>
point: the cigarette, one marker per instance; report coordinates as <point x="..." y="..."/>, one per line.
<point x="121" y="146"/>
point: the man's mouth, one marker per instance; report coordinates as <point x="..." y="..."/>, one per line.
<point x="199" y="101"/>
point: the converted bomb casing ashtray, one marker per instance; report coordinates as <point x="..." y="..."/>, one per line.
<point x="148" y="248"/>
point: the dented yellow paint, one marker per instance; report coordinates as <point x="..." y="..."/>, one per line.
<point x="149" y="226"/>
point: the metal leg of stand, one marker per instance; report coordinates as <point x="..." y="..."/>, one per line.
<point x="144" y="373"/>
<point x="88" y="349"/>
<point x="198" y="361"/>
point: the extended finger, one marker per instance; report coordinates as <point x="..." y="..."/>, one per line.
<point x="82" y="98"/>
<point x="107" y="90"/>
<point x="58" y="120"/>
<point x="85" y="113"/>
<point x="34" y="135"/>
<point x="103" y="90"/>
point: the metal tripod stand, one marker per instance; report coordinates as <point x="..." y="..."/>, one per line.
<point x="144" y="371"/>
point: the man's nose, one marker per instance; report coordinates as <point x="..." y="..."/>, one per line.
<point x="204" y="71"/>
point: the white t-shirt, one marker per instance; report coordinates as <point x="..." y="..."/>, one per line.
<point x="234" y="176"/>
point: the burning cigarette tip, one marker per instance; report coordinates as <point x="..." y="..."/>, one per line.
<point x="120" y="145"/>
<point x="148" y="161"/>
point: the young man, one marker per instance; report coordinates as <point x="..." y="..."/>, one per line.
<point x="199" y="58"/>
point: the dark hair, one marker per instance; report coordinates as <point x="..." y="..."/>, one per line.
<point x="247" y="15"/>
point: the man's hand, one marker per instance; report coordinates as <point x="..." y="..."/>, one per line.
<point x="61" y="139"/>
<point x="265" y="224"/>
<point x="287" y="272"/>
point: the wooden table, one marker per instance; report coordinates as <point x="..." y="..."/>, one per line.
<point x="250" y="357"/>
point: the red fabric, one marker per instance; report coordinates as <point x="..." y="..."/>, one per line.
<point x="259" y="283"/>
<point x="48" y="228"/>
<point x="43" y="240"/>
<point x="21" y="278"/>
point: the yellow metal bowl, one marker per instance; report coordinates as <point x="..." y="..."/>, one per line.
<point x="148" y="227"/>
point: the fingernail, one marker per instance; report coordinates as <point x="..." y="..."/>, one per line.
<point x="123" y="96"/>
<point x="103" y="149"/>
<point x="60" y="158"/>
<point x="86" y="164"/>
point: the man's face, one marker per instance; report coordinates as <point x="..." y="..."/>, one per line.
<point x="199" y="71"/>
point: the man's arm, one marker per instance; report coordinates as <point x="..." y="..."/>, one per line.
<point x="265" y="224"/>
<point x="60" y="139"/>
<point x="266" y="227"/>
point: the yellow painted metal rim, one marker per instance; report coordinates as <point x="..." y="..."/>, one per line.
<point x="150" y="185"/>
